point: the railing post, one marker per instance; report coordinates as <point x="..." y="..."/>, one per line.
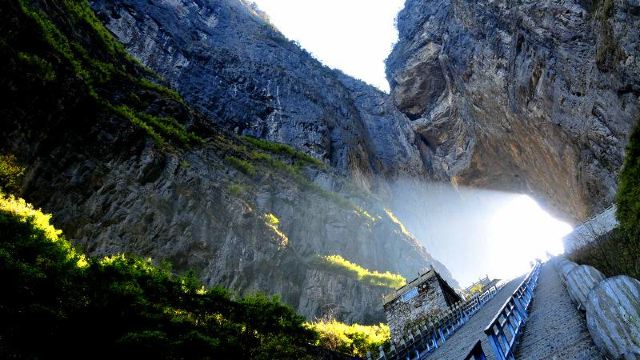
<point x="521" y="309"/>
<point x="514" y="313"/>
<point x="497" y="349"/>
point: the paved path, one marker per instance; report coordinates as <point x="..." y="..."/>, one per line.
<point x="459" y="345"/>
<point x="555" y="329"/>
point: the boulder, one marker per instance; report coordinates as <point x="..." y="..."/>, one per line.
<point x="613" y="317"/>
<point x="564" y="268"/>
<point x="558" y="261"/>
<point x="580" y="281"/>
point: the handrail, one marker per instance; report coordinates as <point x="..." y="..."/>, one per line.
<point x="426" y="339"/>
<point x="512" y="317"/>
<point x="476" y="352"/>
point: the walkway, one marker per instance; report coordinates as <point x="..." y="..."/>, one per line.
<point x="555" y="329"/>
<point x="459" y="345"/>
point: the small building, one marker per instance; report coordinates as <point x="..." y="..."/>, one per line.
<point x="419" y="301"/>
<point x="479" y="287"/>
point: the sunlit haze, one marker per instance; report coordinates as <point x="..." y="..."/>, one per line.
<point x="472" y="232"/>
<point x="520" y="231"/>
<point x="354" y="36"/>
<point x="478" y="232"/>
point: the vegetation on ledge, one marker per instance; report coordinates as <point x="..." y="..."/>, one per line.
<point x="354" y="340"/>
<point x="339" y="264"/>
<point x="628" y="197"/>
<point x="128" y="307"/>
<point x="63" y="41"/>
<point x="124" y="306"/>
<point x="10" y="173"/>
<point x="284" y="149"/>
<point x="619" y="251"/>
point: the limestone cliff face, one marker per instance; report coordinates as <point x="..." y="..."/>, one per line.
<point x="246" y="217"/>
<point x="233" y="65"/>
<point x="200" y="214"/>
<point x="115" y="192"/>
<point x="529" y="96"/>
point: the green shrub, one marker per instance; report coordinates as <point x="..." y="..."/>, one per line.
<point x="42" y="67"/>
<point x="354" y="340"/>
<point x="242" y="165"/>
<point x="284" y="149"/>
<point x="339" y="264"/>
<point x="10" y="173"/>
<point x="105" y="66"/>
<point x="271" y="219"/>
<point x="56" y="303"/>
<point x="628" y="196"/>
<point x="616" y="253"/>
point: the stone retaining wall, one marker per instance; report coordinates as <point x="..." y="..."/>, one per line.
<point x="612" y="308"/>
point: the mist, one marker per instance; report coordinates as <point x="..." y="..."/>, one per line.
<point x="477" y="232"/>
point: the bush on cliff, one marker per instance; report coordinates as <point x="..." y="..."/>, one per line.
<point x="354" y="340"/>
<point x="337" y="263"/>
<point x="618" y="252"/>
<point x="57" y="303"/>
<point x="628" y="197"/>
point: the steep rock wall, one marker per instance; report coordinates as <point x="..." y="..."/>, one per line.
<point x="83" y="120"/>
<point x="233" y="65"/>
<point x="527" y="96"/>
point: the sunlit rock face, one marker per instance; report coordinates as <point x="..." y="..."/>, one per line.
<point x="233" y="65"/>
<point x="528" y="96"/>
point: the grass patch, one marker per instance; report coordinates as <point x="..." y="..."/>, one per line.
<point x="397" y="221"/>
<point x="609" y="53"/>
<point x="616" y="253"/>
<point x="42" y="67"/>
<point x="11" y="173"/>
<point x="150" y="85"/>
<point x="354" y="340"/>
<point x="337" y="263"/>
<point x="282" y="149"/>
<point x="272" y="222"/>
<point x="238" y="189"/>
<point x="108" y="63"/>
<point x="242" y="165"/>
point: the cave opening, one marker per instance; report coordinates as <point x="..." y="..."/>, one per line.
<point x="476" y="232"/>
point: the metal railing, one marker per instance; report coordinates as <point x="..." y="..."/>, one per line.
<point x="506" y="326"/>
<point x="476" y="352"/>
<point x="427" y="338"/>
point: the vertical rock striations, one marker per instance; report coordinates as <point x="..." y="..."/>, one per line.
<point x="127" y="166"/>
<point x="232" y="64"/>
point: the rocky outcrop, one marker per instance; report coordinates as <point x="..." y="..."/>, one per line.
<point x="232" y="64"/>
<point x="613" y="317"/>
<point x="580" y="281"/>
<point x="612" y="308"/>
<point x="527" y="96"/>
